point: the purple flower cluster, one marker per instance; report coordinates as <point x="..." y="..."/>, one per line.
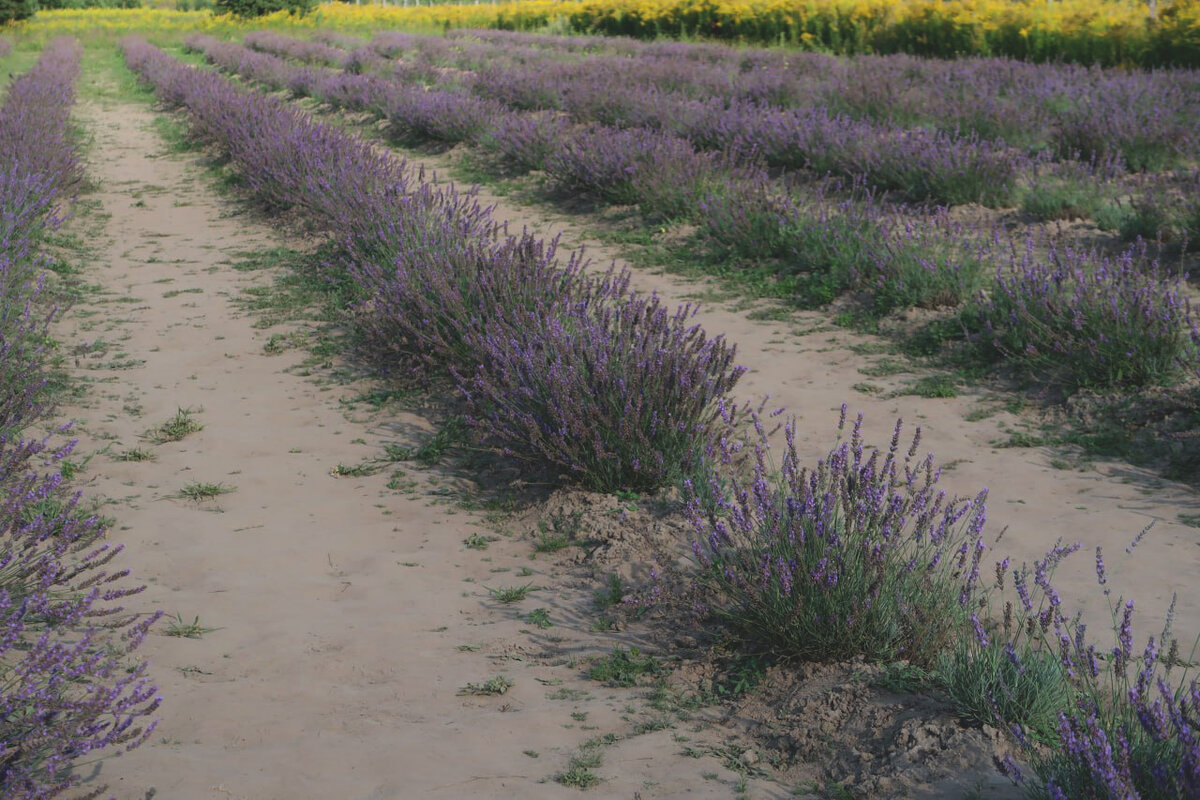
<point x="1087" y="320"/>
<point x="607" y="384"/>
<point x="542" y="353"/>
<point x="663" y="173"/>
<point x="310" y="52"/>
<point x="1126" y="727"/>
<point x="861" y="556"/>
<point x="68" y="685"/>
<point x="34" y="137"/>
<point x="1144" y="117"/>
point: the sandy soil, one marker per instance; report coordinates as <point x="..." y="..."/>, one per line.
<point x="347" y="618"/>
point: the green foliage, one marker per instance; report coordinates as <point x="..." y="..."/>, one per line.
<point x="259" y="8"/>
<point x="987" y="685"/>
<point x="45" y="5"/>
<point x="1061" y="198"/>
<point x="624" y="667"/>
<point x="13" y="10"/>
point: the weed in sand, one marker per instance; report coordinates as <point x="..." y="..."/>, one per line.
<point x="1023" y="439"/>
<point x="539" y="618"/>
<point x="174" y="429"/>
<point x="612" y="593"/>
<point x="394" y="452"/>
<point x="653" y="724"/>
<point x="356" y="470"/>
<point x="578" y="774"/>
<point x="511" y="594"/>
<point x="454" y="432"/>
<point x="933" y="386"/>
<point x="199" y="492"/>
<point x="187" y="630"/>
<point x="135" y="454"/>
<point x="902" y="677"/>
<point x="559" y="530"/>
<point x="69" y="467"/>
<point x="578" y="777"/>
<point x="478" y="542"/>
<point x="492" y="686"/>
<point x="883" y="368"/>
<point x="623" y="667"/>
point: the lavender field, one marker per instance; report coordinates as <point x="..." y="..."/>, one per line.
<point x="826" y="177"/>
<point x="1024" y="230"/>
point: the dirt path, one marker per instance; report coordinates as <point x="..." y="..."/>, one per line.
<point x="345" y="618"/>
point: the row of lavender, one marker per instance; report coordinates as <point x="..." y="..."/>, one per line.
<point x="574" y="371"/>
<point x="1144" y="118"/>
<point x="925" y="164"/>
<point x="68" y="684"/>
<point x="1084" y="129"/>
<point x="862" y="556"/>
<point x="1090" y="320"/>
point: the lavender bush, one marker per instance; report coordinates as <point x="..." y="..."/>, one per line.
<point x="524" y="142"/>
<point x="825" y="246"/>
<point x="70" y="687"/>
<point x="861" y="556"/>
<point x="1148" y="130"/>
<point x="1008" y="673"/>
<point x="662" y="173"/>
<point x="34" y="136"/>
<point x="346" y="186"/>
<point x="1086" y="320"/>
<point x="431" y="300"/>
<point x="610" y="386"/>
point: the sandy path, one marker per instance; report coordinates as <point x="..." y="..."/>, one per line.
<point x="339" y="608"/>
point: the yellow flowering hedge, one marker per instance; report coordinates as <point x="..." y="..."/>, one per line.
<point x="1107" y="32"/>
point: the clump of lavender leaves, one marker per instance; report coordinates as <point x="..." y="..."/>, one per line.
<point x="861" y="556"/>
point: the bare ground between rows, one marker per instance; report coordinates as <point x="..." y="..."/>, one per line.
<point x="341" y="606"/>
